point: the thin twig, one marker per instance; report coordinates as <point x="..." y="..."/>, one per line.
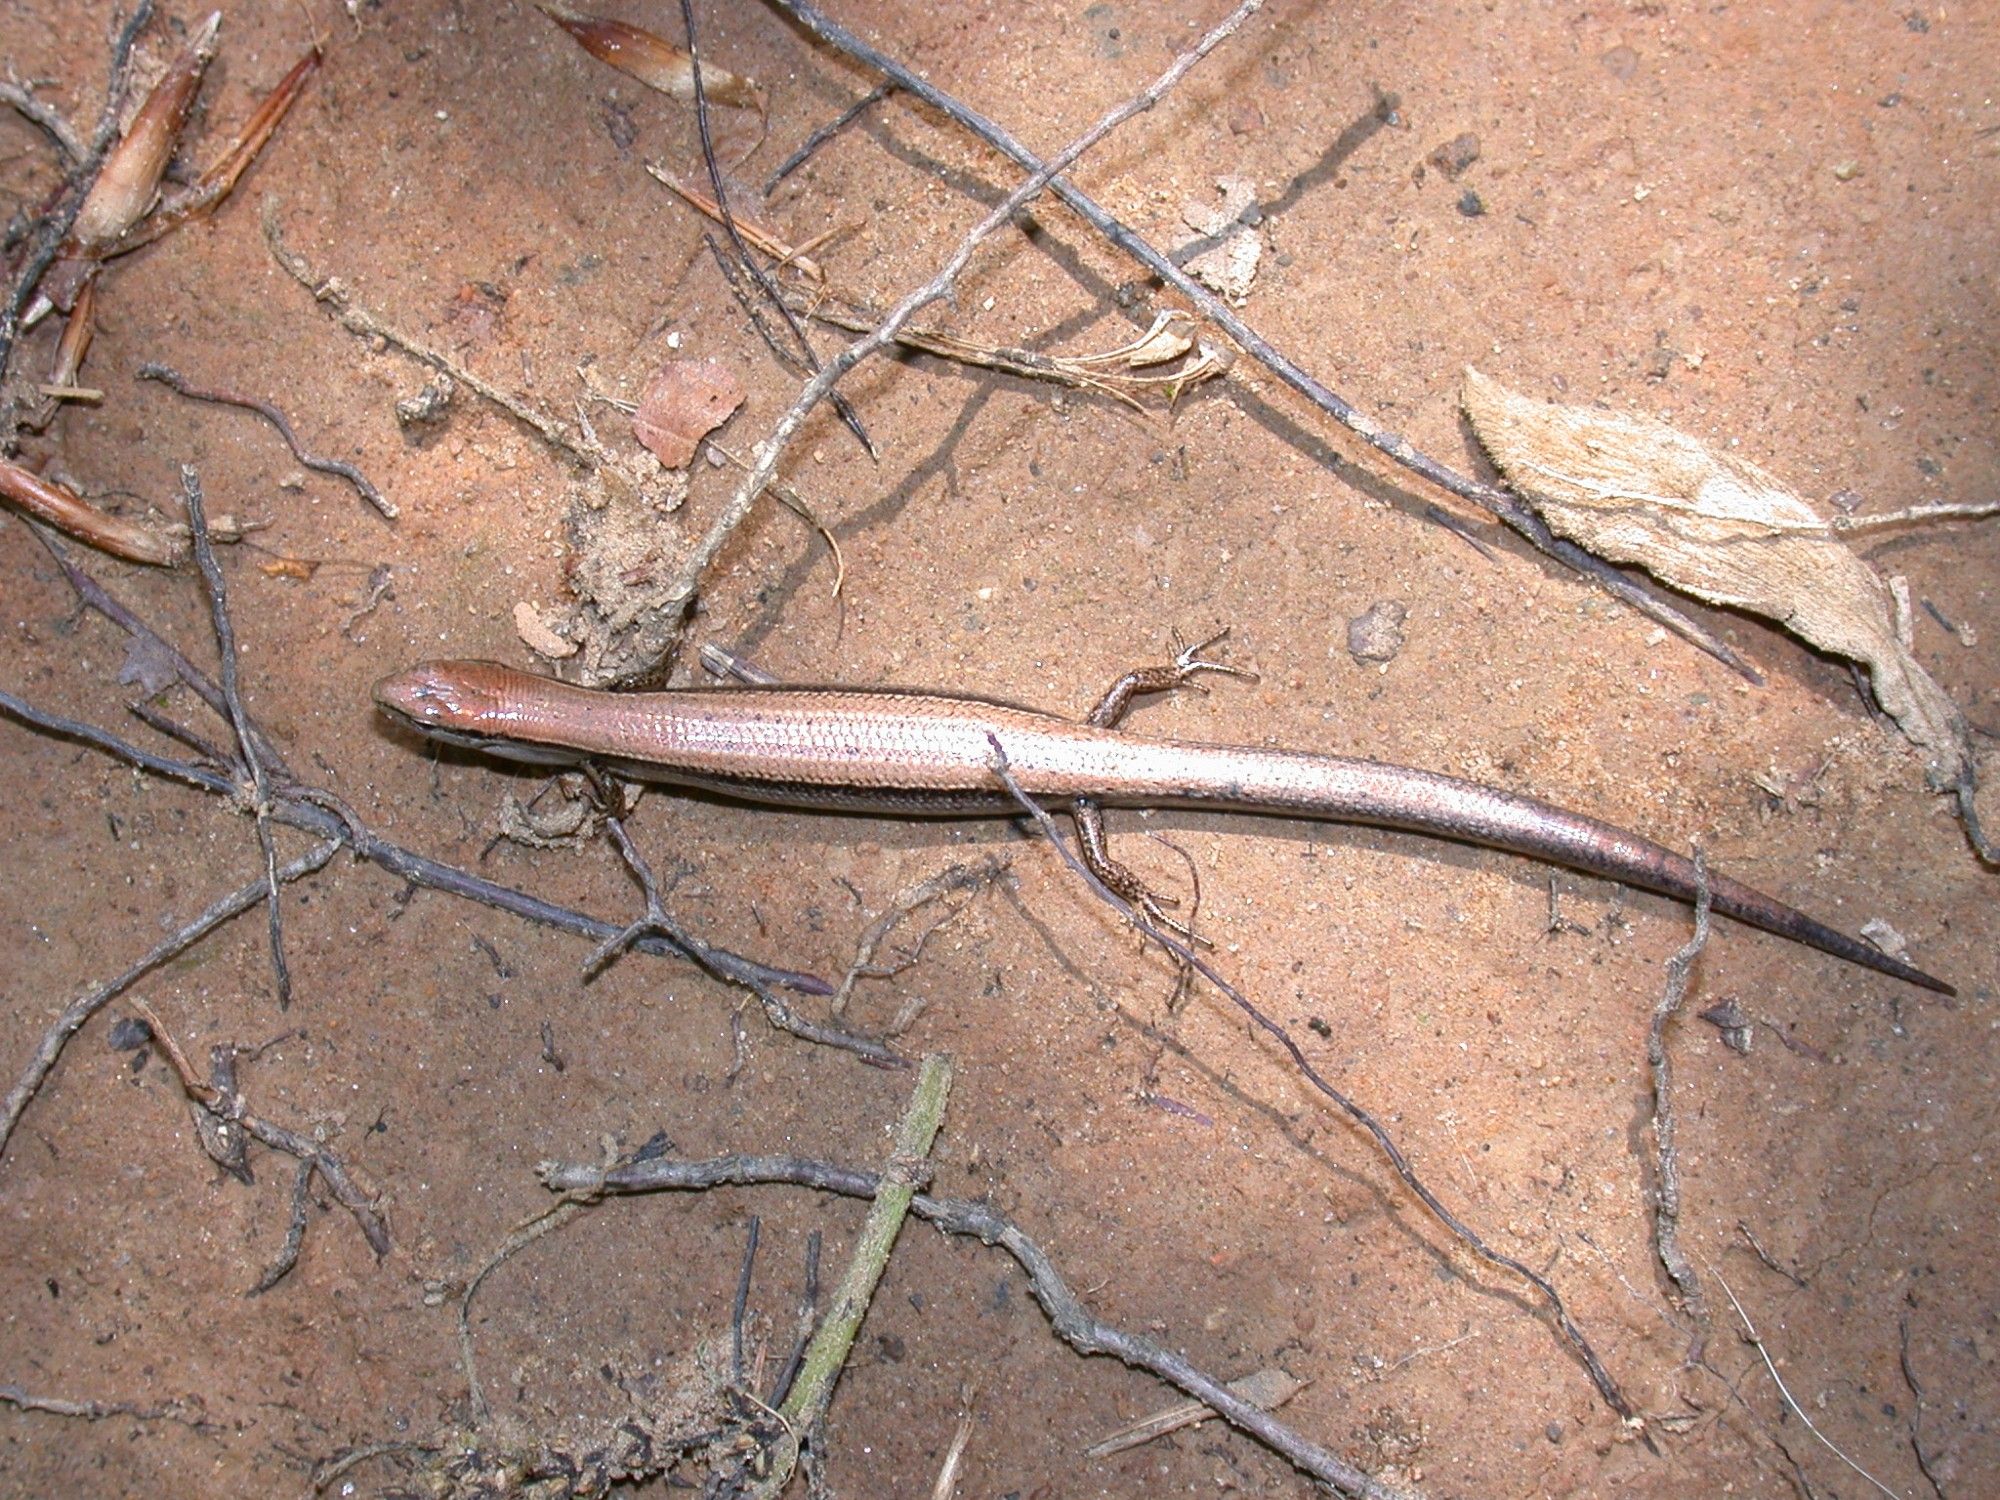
<point x="954" y="880"/>
<point x="682" y="592"/>
<point x="740" y="1306"/>
<point x="1756" y="1340"/>
<point x="1500" y="502"/>
<point x="54" y="124"/>
<point x="1916" y="1394"/>
<point x="225" y="639"/>
<point x="828" y="131"/>
<point x="655" y="921"/>
<point x="768" y="286"/>
<point x="1386" y="1143"/>
<point x="91" y="1001"/>
<point x="1667" y="1200"/>
<point x="1072" y="1322"/>
<point x="169" y="376"/>
<point x="365" y="324"/>
<point x="553" y="1217"/>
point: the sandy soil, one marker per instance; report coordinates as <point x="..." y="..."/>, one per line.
<point x="1769" y="225"/>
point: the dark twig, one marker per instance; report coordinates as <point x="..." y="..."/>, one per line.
<point x="1667" y="1199"/>
<point x="741" y="1304"/>
<point x="295" y="1233"/>
<point x="56" y="227"/>
<point x="763" y="279"/>
<point x="320" y="813"/>
<point x="1771" y="1263"/>
<point x="828" y="131"/>
<point x="656" y="922"/>
<point x="1066" y="1312"/>
<point x="221" y="1101"/>
<point x="808" y="1316"/>
<point x="1499" y="502"/>
<point x="171" y="377"/>
<point x="1565" y="1325"/>
<point x="225" y="639"/>
<point x="732" y="274"/>
<point x="301" y="808"/>
<point x="1458" y="528"/>
<point x="88" y="1004"/>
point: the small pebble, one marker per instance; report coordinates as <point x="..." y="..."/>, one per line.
<point x="1455" y="155"/>
<point x="1377" y="636"/>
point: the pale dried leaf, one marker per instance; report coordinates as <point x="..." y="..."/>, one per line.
<point x="683" y="403"/>
<point x="536" y="634"/>
<point x="1634" y="490"/>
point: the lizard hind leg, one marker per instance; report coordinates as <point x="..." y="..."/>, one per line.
<point x="1120" y="879"/>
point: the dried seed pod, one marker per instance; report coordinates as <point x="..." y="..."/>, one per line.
<point x="657" y="64"/>
<point x="67" y="511"/>
<point x="125" y="189"/>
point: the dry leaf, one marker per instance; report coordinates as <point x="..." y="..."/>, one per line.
<point x="1635" y="490"/>
<point x="683" y="403"/>
<point x="1229" y="265"/>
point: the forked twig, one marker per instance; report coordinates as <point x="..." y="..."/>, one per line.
<point x="95" y="999"/>
<point x="682" y="591"/>
<point x="1066" y="1313"/>
<point x="1386" y="1143"/>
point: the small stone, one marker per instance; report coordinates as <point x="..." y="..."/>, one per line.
<point x="1553" y="1432"/>
<point x="1377" y="636"/>
<point x="1455" y="155"/>
<point x="1846" y="171"/>
<point x="1471" y="204"/>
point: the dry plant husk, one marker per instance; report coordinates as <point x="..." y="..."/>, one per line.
<point x="1634" y="490"/>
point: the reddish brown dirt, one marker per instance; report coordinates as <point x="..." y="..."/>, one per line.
<point x="1771" y="226"/>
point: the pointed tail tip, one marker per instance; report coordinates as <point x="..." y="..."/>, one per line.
<point x="1919" y="977"/>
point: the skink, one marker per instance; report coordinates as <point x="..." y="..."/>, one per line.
<point x="931" y="754"/>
